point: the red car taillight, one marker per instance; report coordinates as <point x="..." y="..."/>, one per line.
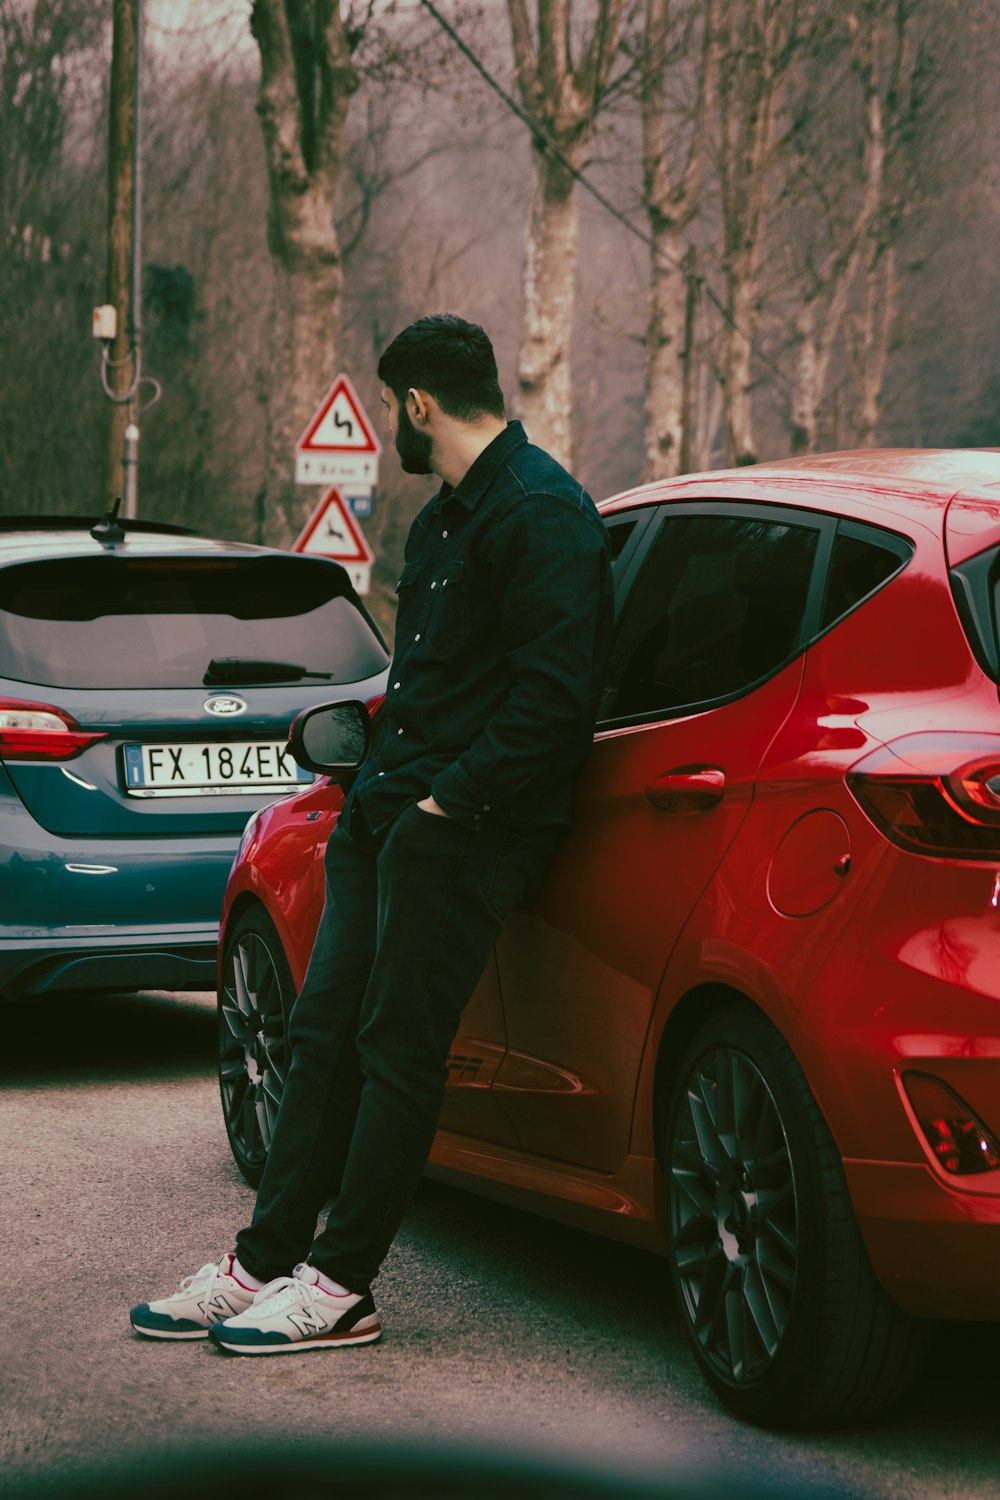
<point x="958" y="1139"/>
<point x="38" y="731"/>
<point x="934" y="794"/>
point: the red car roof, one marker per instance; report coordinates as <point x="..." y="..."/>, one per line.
<point x="874" y="484"/>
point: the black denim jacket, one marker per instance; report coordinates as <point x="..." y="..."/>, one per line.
<point x="502" y="636"/>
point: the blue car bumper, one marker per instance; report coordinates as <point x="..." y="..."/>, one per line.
<point x="108" y="913"/>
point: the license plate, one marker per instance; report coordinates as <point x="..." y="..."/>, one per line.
<point x="210" y="769"/>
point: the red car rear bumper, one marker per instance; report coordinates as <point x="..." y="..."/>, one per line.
<point x="936" y="1251"/>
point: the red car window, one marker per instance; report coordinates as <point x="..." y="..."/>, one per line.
<point x="718" y="606"/>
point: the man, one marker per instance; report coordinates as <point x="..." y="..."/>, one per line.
<point x="501" y="642"/>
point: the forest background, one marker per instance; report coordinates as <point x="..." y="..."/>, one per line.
<point x="699" y="232"/>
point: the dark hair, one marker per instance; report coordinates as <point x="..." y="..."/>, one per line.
<point x="451" y="360"/>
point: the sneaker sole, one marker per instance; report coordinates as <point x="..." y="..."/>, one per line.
<point x="301" y="1346"/>
<point x="164" y="1333"/>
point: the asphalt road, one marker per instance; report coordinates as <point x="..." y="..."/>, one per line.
<point x="501" y="1330"/>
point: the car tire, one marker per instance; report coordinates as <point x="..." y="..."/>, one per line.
<point x="773" y="1283"/>
<point x="254" y="1004"/>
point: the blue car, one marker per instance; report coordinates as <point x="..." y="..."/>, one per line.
<point x="148" y="678"/>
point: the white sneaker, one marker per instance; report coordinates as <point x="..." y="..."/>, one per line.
<point x="205" y="1298"/>
<point x="294" y="1313"/>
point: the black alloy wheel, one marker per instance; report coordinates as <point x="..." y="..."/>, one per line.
<point x="253" y="1009"/>
<point x="734" y="1216"/>
<point x="774" y="1287"/>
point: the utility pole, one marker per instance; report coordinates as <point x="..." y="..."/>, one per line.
<point x="121" y="355"/>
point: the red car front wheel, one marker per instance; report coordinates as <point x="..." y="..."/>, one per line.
<point x="253" y="1007"/>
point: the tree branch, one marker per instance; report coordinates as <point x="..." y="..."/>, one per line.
<point x="591" y="77"/>
<point x="525" y="62"/>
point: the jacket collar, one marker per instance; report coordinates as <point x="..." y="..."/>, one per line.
<point x="478" y="478"/>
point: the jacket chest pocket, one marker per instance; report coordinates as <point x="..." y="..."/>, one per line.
<point x="412" y="604"/>
<point x="448" y="622"/>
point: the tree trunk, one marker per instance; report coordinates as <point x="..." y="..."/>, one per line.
<point x="307" y="79"/>
<point x="709" y="410"/>
<point x="813" y="350"/>
<point x="806" y="392"/>
<point x="670" y="207"/>
<point x="758" y="39"/>
<point x="544" y="371"/>
<point x="563" y="100"/>
<point x="827" y="292"/>
<point x="738" y="359"/>
<point x="876" y="322"/>
<point x="308" y="286"/>
<point x="665" y="355"/>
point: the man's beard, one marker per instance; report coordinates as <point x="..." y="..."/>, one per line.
<point x="414" y="448"/>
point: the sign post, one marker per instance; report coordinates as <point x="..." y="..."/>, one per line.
<point x="339" y="445"/>
<point x="339" y="448"/>
<point x="332" y="531"/>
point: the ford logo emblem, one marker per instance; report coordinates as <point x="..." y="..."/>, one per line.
<point x="226" y="703"/>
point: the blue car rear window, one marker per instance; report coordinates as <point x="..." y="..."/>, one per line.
<point x="114" y="621"/>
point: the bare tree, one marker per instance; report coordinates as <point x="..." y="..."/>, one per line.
<point x="50" y="227"/>
<point x="308" y="75"/>
<point x="862" y="166"/>
<point x="909" y="359"/>
<point x="758" y="39"/>
<point x="671" y="201"/>
<point x="891" y="64"/>
<point x="935" y="150"/>
<point x="564" y="99"/>
<point x="836" y="170"/>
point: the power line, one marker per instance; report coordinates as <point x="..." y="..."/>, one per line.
<point x="538" y="130"/>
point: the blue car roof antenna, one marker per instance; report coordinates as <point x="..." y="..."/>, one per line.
<point x="110" y="528"/>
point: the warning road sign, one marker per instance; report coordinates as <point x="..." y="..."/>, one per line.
<point x="332" y="531"/>
<point x="339" y="445"/>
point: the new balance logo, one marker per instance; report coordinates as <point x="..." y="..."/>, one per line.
<point x="308" y="1321"/>
<point x="217" y="1309"/>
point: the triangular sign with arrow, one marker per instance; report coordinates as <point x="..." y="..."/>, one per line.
<point x="339" y="424"/>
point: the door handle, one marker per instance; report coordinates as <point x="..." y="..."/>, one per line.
<point x="687" y="788"/>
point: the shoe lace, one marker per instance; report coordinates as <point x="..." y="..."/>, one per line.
<point x="284" y="1291"/>
<point x="199" y="1281"/>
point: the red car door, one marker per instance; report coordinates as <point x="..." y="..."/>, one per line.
<point x="705" y="669"/>
<point x="469" y="1106"/>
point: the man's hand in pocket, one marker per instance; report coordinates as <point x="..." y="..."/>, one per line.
<point x="429" y="805"/>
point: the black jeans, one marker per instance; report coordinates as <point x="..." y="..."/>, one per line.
<point x="407" y="931"/>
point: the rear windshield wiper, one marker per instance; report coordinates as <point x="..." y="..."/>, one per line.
<point x="249" y="669"/>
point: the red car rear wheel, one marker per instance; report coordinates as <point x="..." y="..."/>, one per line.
<point x="774" y="1286"/>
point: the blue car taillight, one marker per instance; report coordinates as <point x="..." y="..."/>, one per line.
<point x="39" y="731"/>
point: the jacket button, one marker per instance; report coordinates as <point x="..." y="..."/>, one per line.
<point x="417" y="636"/>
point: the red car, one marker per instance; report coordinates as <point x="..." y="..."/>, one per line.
<point x="752" y="1021"/>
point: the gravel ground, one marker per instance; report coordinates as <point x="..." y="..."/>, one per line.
<point x="501" y="1330"/>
